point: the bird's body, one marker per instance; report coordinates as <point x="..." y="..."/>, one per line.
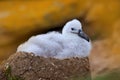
<point x="57" y="45"/>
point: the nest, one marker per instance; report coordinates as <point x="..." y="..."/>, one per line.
<point x="30" y="67"/>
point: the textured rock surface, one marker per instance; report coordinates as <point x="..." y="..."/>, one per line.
<point x="105" y="57"/>
<point x="32" y="67"/>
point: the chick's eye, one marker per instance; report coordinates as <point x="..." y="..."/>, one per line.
<point x="72" y="29"/>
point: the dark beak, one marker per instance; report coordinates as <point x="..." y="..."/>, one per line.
<point x="83" y="35"/>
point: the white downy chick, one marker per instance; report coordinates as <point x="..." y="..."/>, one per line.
<point x="73" y="42"/>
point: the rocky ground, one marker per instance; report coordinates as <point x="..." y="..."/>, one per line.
<point x="30" y="67"/>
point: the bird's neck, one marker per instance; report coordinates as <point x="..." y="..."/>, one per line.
<point x="70" y="35"/>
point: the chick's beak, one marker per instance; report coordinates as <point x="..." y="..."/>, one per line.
<point x="83" y="35"/>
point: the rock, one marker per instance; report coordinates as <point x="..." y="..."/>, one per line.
<point x="31" y="67"/>
<point x="2" y="75"/>
<point x="105" y="56"/>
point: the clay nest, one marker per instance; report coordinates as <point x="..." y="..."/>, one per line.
<point x="27" y="66"/>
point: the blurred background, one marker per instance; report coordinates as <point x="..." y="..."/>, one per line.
<point x="100" y="19"/>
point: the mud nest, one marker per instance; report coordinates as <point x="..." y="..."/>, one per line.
<point x="30" y="67"/>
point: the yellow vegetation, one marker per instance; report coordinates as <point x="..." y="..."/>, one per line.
<point x="25" y="15"/>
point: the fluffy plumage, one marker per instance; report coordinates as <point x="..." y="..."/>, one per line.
<point x="57" y="45"/>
